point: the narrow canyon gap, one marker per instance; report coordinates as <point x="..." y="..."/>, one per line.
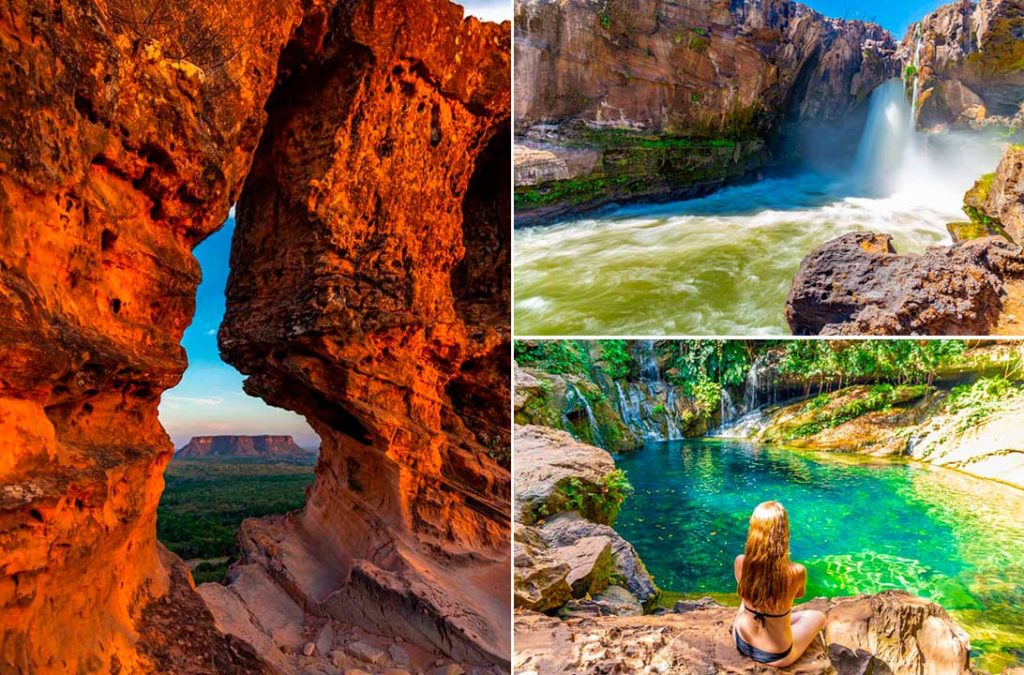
<point x="124" y="143"/>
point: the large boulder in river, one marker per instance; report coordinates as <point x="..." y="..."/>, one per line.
<point x="859" y="285"/>
<point x="892" y="632"/>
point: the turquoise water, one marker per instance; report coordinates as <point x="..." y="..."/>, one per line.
<point x="860" y="526"/>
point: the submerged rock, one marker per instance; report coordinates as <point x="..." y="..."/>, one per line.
<point x="859" y="285"/>
<point x="901" y="634"/>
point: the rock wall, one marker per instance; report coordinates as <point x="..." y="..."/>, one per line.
<point x="650" y="99"/>
<point x="971" y="64"/>
<point x="123" y="140"/>
<point x="369" y="293"/>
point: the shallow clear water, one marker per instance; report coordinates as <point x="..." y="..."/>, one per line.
<point x="860" y="526"/>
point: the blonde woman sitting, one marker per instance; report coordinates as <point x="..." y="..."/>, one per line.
<point x="767" y="630"/>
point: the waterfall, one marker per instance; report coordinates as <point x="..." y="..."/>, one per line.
<point x="726" y="408"/>
<point x="917" y="78"/>
<point x="747" y="426"/>
<point x="648" y="406"/>
<point x="574" y="397"/>
<point x="886" y="146"/>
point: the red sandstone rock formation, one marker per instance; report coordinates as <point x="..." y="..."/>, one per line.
<point x="241" y="446"/>
<point x="126" y="132"/>
<point x="118" y="158"/>
<point x="369" y="293"/>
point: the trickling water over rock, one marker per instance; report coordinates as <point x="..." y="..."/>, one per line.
<point x="969" y="64"/>
<point x="649" y="100"/>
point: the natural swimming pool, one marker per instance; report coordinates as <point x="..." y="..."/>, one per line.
<point x="859" y="525"/>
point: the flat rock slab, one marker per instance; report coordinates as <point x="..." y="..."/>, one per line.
<point x="890" y="632"/>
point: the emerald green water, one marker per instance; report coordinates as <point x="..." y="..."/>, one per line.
<point x="859" y="525"/>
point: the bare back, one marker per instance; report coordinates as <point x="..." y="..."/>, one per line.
<point x="776" y="635"/>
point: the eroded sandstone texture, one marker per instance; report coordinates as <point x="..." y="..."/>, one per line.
<point x="649" y="99"/>
<point x="119" y="153"/>
<point x="892" y="632"/>
<point x="369" y="292"/>
<point x="971" y="63"/>
<point x="127" y="130"/>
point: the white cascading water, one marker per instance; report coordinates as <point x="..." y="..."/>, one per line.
<point x="638" y="401"/>
<point x="723" y="264"/>
<point x="917" y="79"/>
<point x="574" y="397"/>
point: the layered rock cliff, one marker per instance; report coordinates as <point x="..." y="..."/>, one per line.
<point x="127" y="132"/>
<point x="240" y="446"/>
<point x="369" y="293"/>
<point x="967" y="59"/>
<point x="621" y="100"/>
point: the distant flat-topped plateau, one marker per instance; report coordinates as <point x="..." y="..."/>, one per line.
<point x="241" y="446"/>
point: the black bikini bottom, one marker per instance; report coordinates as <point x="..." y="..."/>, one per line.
<point x="752" y="652"/>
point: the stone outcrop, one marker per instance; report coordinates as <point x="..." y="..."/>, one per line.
<point x="567" y="555"/>
<point x="241" y="446"/>
<point x="996" y="202"/>
<point x="971" y="64"/>
<point x="370" y="293"/>
<point x="859" y="285"/>
<point x="546" y="459"/>
<point x="653" y="100"/>
<point x="123" y="142"/>
<point x="891" y="632"/>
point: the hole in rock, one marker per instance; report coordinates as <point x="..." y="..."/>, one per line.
<point x="235" y="456"/>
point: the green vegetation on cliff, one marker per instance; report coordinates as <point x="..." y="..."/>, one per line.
<point x="884" y="361"/>
<point x="878" y="397"/>
<point x="979" y="399"/>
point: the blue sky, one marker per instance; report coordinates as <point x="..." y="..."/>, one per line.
<point x="896" y="15"/>
<point x="209" y="400"/>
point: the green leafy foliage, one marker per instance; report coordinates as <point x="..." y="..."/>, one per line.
<point x="554" y="356"/>
<point x="605" y="19"/>
<point x="892" y="361"/>
<point x="910" y="72"/>
<point x="618" y="362"/>
<point x="206" y="501"/>
<point x="979" y="400"/>
<point x="598" y="502"/>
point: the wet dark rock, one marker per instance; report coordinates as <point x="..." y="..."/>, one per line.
<point x="859" y="285"/>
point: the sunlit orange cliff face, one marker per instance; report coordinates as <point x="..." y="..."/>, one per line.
<point x="369" y="292"/>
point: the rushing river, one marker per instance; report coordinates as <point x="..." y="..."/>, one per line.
<point x="859" y="525"/>
<point x="723" y="264"/>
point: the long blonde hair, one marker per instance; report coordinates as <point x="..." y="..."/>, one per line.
<point x="765" y="575"/>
